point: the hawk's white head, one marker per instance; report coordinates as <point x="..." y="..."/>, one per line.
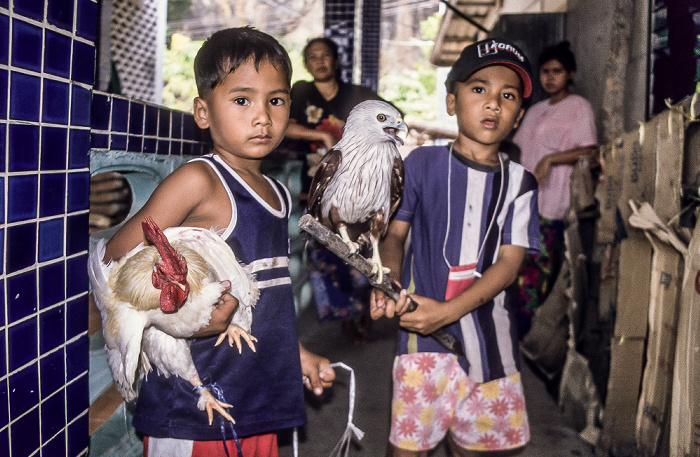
<point x="375" y="121"/>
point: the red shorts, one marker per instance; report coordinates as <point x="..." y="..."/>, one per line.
<point x="251" y="446"/>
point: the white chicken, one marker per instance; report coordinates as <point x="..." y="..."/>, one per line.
<point x="156" y="296"/>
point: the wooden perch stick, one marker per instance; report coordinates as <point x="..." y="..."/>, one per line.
<point x="336" y="245"/>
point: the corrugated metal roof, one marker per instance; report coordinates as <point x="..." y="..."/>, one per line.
<point x="456" y="31"/>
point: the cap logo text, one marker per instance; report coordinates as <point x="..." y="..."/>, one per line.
<point x="493" y="47"/>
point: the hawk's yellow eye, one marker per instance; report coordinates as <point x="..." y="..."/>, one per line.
<point x="381" y="117"/>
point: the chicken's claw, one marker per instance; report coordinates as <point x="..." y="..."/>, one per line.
<point x="235" y="333"/>
<point x="209" y="403"/>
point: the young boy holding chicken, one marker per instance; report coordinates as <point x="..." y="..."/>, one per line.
<point x="243" y="79"/>
<point x="472" y="214"/>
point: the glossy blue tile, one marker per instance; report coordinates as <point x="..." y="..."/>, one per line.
<point x="50" y="240"/>
<point x="24" y="97"/>
<point x="21" y="247"/>
<point x="118" y="142"/>
<point x="24" y="390"/>
<point x="3" y="94"/>
<point x="77" y="239"/>
<point x="60" y="13"/>
<point x="24" y="147"/>
<point x="21" y="298"/>
<point x="76" y="276"/>
<point x="53" y="372"/>
<point x="4" y="31"/>
<point x="101" y="105"/>
<point x="52" y="200"/>
<point x="54" y="143"/>
<point x="56" y="446"/>
<point x="176" y="130"/>
<point x="135" y="143"/>
<point x="78" y="436"/>
<point x="176" y="147"/>
<point x="57" y="54"/>
<point x="3" y="135"/>
<point x="136" y="118"/>
<point x="86" y="26"/>
<point x="187" y="148"/>
<point x="151" y="121"/>
<point x="27" y="40"/>
<point x="99" y="141"/>
<point x="83" y="62"/>
<point x="27" y="429"/>
<point x="2" y="268"/>
<point x="76" y="317"/>
<point x="78" y="191"/>
<point x="22" y="343"/>
<point x="77" y="362"/>
<point x="164" y="122"/>
<point x="22" y="194"/>
<point x="51" y="329"/>
<point x="188" y="127"/>
<point x="149" y="145"/>
<point x="120" y="115"/>
<point x="80" y="106"/>
<point x="53" y="411"/>
<point x="56" y="102"/>
<point x="4" y="406"/>
<point x="5" y="432"/>
<point x="51" y="290"/>
<point x="3" y="357"/>
<point x="163" y="147"/>
<point x="79" y="149"/>
<point x="30" y="8"/>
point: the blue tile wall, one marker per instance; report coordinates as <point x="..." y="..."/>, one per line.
<point x="47" y="71"/>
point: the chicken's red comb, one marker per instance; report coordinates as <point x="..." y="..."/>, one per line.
<point x="170" y="273"/>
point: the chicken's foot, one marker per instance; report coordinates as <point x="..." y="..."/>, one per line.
<point x="208" y="403"/>
<point x="235" y="334"/>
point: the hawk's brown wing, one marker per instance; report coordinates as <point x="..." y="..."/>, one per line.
<point x="325" y="171"/>
<point x="396" y="188"/>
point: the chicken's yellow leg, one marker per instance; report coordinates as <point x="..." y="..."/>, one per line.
<point x="208" y="402"/>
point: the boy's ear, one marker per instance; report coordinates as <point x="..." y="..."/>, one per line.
<point x="201" y="111"/>
<point x="519" y="118"/>
<point x="451" y="102"/>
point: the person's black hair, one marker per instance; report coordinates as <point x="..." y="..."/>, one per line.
<point x="561" y="53"/>
<point x="332" y="45"/>
<point x="226" y="50"/>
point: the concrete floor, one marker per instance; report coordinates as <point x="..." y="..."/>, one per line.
<point x="327" y="417"/>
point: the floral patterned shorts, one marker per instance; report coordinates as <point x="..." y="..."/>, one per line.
<point x="433" y="395"/>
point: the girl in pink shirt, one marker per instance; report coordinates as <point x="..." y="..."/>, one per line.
<point x="552" y="136"/>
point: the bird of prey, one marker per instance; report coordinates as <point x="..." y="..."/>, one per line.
<point x="359" y="183"/>
<point x="156" y="296"/>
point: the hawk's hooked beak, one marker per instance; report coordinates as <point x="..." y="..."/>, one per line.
<point x="395" y="129"/>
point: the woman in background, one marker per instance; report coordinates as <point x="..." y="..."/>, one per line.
<point x="552" y="136"/>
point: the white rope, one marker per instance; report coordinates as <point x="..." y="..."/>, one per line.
<point x="343" y="446"/>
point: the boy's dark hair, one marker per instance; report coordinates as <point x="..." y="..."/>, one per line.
<point x="560" y="52"/>
<point x="226" y="50"/>
<point x="332" y="45"/>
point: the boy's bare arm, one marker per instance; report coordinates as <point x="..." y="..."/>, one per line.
<point x="175" y="199"/>
<point x="180" y="199"/>
<point x="392" y="252"/>
<point x="433" y="314"/>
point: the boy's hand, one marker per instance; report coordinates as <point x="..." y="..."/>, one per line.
<point x="382" y="305"/>
<point x="316" y="370"/>
<point x="427" y="317"/>
<point x="222" y="314"/>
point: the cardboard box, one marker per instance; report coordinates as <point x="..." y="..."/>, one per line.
<point x="619" y="421"/>
<point x="607" y="193"/>
<point x="685" y="403"/>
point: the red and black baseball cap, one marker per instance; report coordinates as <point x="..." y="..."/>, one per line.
<point x="492" y="51"/>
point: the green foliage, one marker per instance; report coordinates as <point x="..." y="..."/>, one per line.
<point x="179" y="87"/>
